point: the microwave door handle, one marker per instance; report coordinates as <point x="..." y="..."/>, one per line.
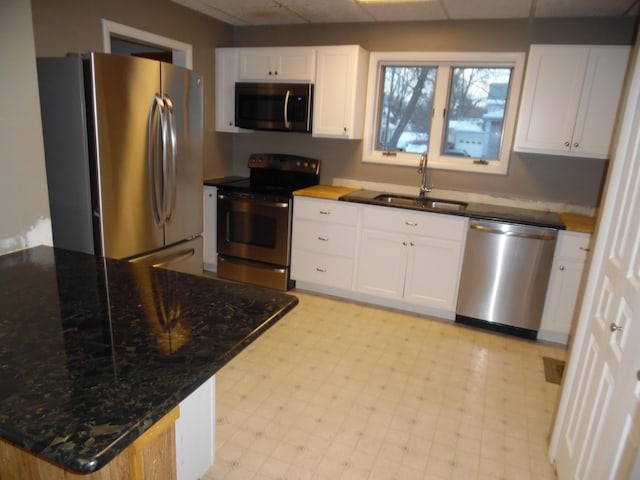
<point x="286" y="107"/>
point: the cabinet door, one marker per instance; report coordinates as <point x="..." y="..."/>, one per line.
<point x="226" y="76"/>
<point x="433" y="269"/>
<point x="295" y="64"/>
<point x="382" y="263"/>
<point x="564" y="283"/>
<point x="210" y="227"/>
<point x="550" y="98"/>
<point x="560" y="304"/>
<point x="255" y="64"/>
<point x="277" y="64"/>
<point x="600" y="99"/>
<point x="339" y="92"/>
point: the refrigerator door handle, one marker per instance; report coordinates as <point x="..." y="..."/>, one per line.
<point x="155" y="116"/>
<point x="166" y="166"/>
<point x="171" y="174"/>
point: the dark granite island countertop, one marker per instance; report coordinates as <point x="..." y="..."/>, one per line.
<point x="94" y="351"/>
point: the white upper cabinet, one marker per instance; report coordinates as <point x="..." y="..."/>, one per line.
<point x="570" y="99"/>
<point x="340" y="91"/>
<point x="226" y="76"/>
<point x="277" y="64"/>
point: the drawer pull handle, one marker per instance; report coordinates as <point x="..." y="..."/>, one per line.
<point x="411" y="224"/>
<point x="561" y="268"/>
<point x="324" y="212"/>
<point x="321" y="270"/>
<point x="323" y="239"/>
<point x="585" y="249"/>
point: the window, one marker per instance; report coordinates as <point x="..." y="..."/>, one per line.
<point x="459" y="108"/>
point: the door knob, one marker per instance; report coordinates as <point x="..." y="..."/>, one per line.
<point x="615" y="328"/>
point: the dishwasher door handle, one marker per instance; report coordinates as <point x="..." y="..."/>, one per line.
<point x="483" y="229"/>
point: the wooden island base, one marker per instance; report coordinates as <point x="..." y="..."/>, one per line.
<point x="151" y="457"/>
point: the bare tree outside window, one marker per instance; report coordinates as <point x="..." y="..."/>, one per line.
<point x="407" y="103"/>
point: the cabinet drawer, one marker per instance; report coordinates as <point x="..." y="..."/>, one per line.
<point x="331" y="211"/>
<point x="572" y="245"/>
<point x="425" y="224"/>
<point x="325" y="238"/>
<point x="322" y="269"/>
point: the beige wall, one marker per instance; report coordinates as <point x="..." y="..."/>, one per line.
<point x="539" y="177"/>
<point x="74" y="25"/>
<point x="24" y="205"/>
<point x="63" y="26"/>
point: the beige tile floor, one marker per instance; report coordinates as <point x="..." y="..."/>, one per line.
<point x="340" y="390"/>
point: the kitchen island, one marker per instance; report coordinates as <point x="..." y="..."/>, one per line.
<point x="95" y="352"/>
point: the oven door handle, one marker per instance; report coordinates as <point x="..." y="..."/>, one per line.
<point x="253" y="201"/>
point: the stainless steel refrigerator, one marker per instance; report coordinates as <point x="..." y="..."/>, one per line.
<point x="123" y="151"/>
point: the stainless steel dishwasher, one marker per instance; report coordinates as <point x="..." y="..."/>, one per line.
<point x="505" y="273"/>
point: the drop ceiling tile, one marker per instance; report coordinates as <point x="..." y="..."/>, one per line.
<point x="483" y="9"/>
<point x="328" y="11"/>
<point x="579" y="8"/>
<point x="211" y="11"/>
<point x="406" y="11"/>
<point x="248" y="12"/>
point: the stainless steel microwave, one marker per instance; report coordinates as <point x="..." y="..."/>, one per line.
<point x="274" y="106"/>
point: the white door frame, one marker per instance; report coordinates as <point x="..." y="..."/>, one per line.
<point x="182" y="52"/>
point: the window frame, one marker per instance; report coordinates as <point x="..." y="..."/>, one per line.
<point x="444" y="61"/>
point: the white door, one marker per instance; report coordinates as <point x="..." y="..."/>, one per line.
<point x="597" y="430"/>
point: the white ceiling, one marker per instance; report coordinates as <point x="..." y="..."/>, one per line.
<point x="281" y="12"/>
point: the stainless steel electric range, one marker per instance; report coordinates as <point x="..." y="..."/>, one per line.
<point x="254" y="219"/>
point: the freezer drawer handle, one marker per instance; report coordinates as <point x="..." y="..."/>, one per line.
<point x="175" y="257"/>
<point x="483" y="229"/>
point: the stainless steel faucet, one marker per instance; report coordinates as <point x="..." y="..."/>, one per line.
<point x="424" y="189"/>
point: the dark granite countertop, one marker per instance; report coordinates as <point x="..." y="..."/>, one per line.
<point x="94" y="351"/>
<point x="473" y="210"/>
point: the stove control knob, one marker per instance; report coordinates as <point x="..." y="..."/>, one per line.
<point x="297" y="163"/>
<point x="306" y="164"/>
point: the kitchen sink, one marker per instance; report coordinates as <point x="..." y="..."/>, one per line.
<point x="420" y="202"/>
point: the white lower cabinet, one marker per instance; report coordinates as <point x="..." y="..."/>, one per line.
<point x="387" y="256"/>
<point x="411" y="256"/>
<point x="323" y="242"/>
<point x="564" y="285"/>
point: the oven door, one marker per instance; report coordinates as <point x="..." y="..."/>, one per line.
<point x="254" y="227"/>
